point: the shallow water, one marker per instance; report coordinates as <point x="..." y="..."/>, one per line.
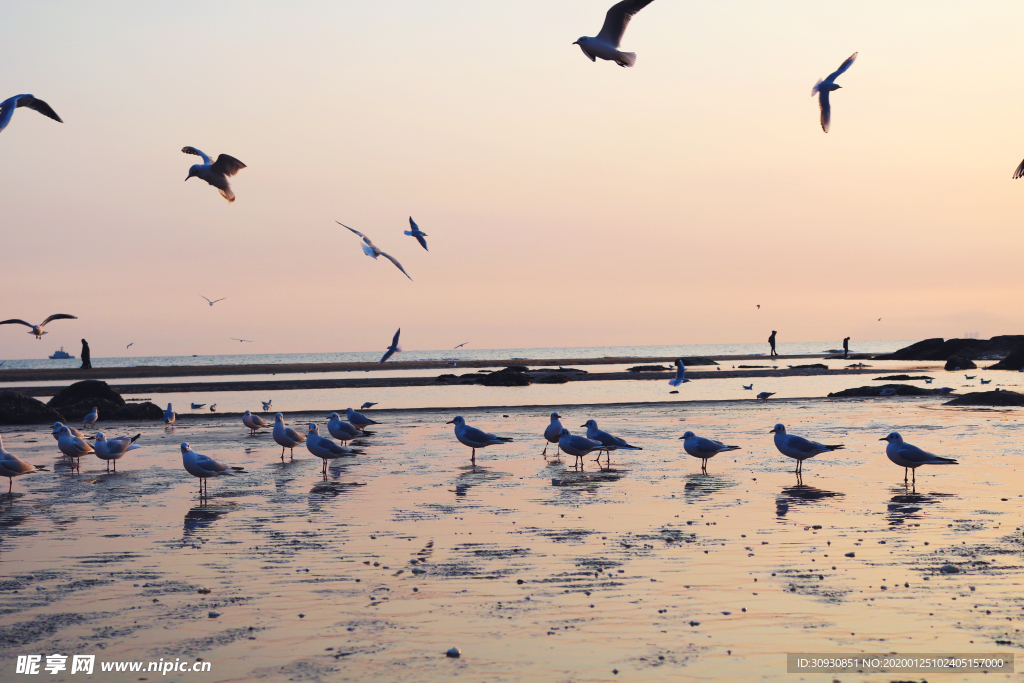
<point x="534" y="570"/>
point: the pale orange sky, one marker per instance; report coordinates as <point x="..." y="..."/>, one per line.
<point x="567" y="203"/>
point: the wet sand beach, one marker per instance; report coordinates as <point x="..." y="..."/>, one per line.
<point x="534" y="570"/>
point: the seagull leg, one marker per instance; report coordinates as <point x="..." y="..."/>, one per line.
<point x="545" y="453"/>
<point x="473" y="458"/>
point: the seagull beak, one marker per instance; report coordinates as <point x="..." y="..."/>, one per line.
<point x="450" y="422"/>
<point x="575" y="42"/>
<point x="771" y="431"/>
<point x="186" y="179"/>
<point x="884" y="438"/>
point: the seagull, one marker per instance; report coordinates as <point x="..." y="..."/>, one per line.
<point x="889" y="391"/>
<point x="578" y="446"/>
<point x="241" y="340"/>
<point x="72" y="446"/>
<point x="267" y="404"/>
<point x="608" y="441"/>
<point x="824" y="87"/>
<point x="129" y="346"/>
<point x="986" y="381"/>
<point x="113" y="449"/>
<point x="213" y="408"/>
<point x="58" y="427"/>
<point x="373" y="252"/>
<point x="324" y="448"/>
<point x="215" y="173"/>
<point x="552" y="433"/>
<point x="358" y="420"/>
<point x="460" y="345"/>
<point x="970" y="376"/>
<point x="204" y="467"/>
<point x="37" y="330"/>
<point x="928" y="381"/>
<point x="393" y="349"/>
<point x="12" y="466"/>
<point x="417" y="233"/>
<point x="473" y="437"/>
<point x="797" y="447"/>
<point x="606" y="44"/>
<point x="8" y="106"/>
<point x="170" y="415"/>
<point x="911" y="457"/>
<point x="765" y="395"/>
<point x="343" y="431"/>
<point x="680" y="374"/>
<point x="702" y="448"/>
<point x="749" y="387"/>
<point x="285" y="436"/>
<point x="214" y="301"/>
<point x="91" y="418"/>
<point x="197" y="406"/>
<point x="368" y="404"/>
<point x="947" y="390"/>
<point x="253" y="422"/>
<point x="759" y="307"/>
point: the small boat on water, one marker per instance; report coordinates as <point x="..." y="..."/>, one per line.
<point x="61" y="355"/>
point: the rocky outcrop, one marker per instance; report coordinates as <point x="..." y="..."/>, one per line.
<point x="989" y="398"/>
<point x="1013" y="361"/>
<point x="648" y="368"/>
<point x="901" y="378"/>
<point x="138" y="411"/>
<point x="901" y="390"/>
<point x="959" y="363"/>
<point x="938" y="348"/>
<point x="552" y="378"/>
<point x="16" y="409"/>
<point x="78" y="400"/>
<point x="512" y="376"/>
<point x="696" y="360"/>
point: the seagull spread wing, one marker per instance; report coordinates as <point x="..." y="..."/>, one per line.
<point x="40" y="106"/>
<point x="617" y="19"/>
<point x="352" y="229"/>
<point x="842" y="68"/>
<point x="387" y="354"/>
<point x="1019" y="172"/>
<point x="16" y="320"/>
<point x="826" y="109"/>
<point x="227" y="164"/>
<point x="423" y="242"/>
<point x="397" y="264"/>
<point x="394" y="342"/>
<point x="193" y="150"/>
<point x="58" y="316"/>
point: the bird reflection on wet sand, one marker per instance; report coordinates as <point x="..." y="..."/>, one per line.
<point x="801" y="494"/>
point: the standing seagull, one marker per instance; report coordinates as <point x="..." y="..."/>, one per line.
<point x="824" y="87"/>
<point x="608" y="441"/>
<point x="393" y="349"/>
<point x="91" y="418"/>
<point x="253" y="422"/>
<point x="765" y="395"/>
<point x="215" y="300"/>
<point x="799" y="448"/>
<point x="373" y="252"/>
<point x="911" y="457"/>
<point x="324" y="448"/>
<point x="72" y="446"/>
<point x="578" y="446"/>
<point x="37" y="330"/>
<point x="417" y="233"/>
<point x="606" y="44"/>
<point x="8" y="106"/>
<point x="553" y="433"/>
<point x="368" y="404"/>
<point x="203" y="466"/>
<point x="170" y="416"/>
<point x="285" y="436"/>
<point x="358" y="420"/>
<point x="473" y="437"/>
<point x="680" y="377"/>
<point x="114" y="449"/>
<point x="702" y="448"/>
<point x="343" y="431"/>
<point x="12" y="466"/>
<point x="216" y="173"/>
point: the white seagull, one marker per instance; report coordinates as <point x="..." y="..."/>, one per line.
<point x="213" y="408"/>
<point x="823" y="87"/>
<point x="608" y="441"/>
<point x="358" y="420"/>
<point x="417" y="233"/>
<point x="285" y="436"/>
<point x="373" y="252"/>
<point x="72" y="446"/>
<point x="253" y="422"/>
<point x="765" y="395"/>
<point x="702" y="448"/>
<point x="552" y="433"/>
<point x="343" y="431"/>
<point x="170" y="416"/>
<point x="91" y="418"/>
<point x="680" y="377"/>
<point x="911" y="457"/>
<point x="8" y="106"/>
<point x="799" y="448"/>
<point x="606" y="44"/>
<point x="114" y="449"/>
<point x="473" y="437"/>
<point x="241" y="340"/>
<point x="215" y="173"/>
<point x="215" y="300"/>
<point x="204" y="467"/>
<point x="324" y="448"/>
<point x="267" y="404"/>
<point x="749" y="387"/>
<point x="393" y="349"/>
<point x="197" y="406"/>
<point x="37" y="330"/>
<point x="12" y="466"/>
<point x="578" y="446"/>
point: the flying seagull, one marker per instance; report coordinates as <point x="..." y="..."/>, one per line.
<point x="606" y="44"/>
<point x="417" y="233"/>
<point x="216" y="173"/>
<point x="129" y="346"/>
<point x="824" y="87"/>
<point x="37" y="330"/>
<point x="241" y="340"/>
<point x="393" y="349"/>
<point x="215" y="300"/>
<point x="370" y="250"/>
<point x="8" y="106"/>
<point x="460" y="345"/>
<point x="680" y="377"/>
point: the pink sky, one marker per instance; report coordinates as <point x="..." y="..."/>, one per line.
<point x="567" y="203"/>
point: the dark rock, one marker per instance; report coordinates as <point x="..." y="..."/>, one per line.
<point x="975" y="349"/>
<point x="88" y="391"/>
<point x="901" y="390"/>
<point x="138" y="411"/>
<point x="697" y="360"/>
<point x="515" y="368"/>
<point x="16" y="409"/>
<point x="959" y="363"/>
<point x="988" y="398"/>
<point x="107" y="409"/>
<point x="901" y="378"/>
<point x="751" y="367"/>
<point x="648" y="368"/>
<point x="552" y="378"/>
<point x="1013" y="361"/>
<point x="812" y="366"/>
<point x="509" y="377"/>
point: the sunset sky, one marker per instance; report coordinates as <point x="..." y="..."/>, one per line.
<point x="567" y="203"/>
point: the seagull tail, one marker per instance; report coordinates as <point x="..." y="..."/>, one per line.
<point x="227" y="194"/>
<point x="939" y="460"/>
<point x="816" y="88"/>
<point x="835" y="448"/>
<point x="626" y="59"/>
<point x="731" y="448"/>
<point x="504" y="438"/>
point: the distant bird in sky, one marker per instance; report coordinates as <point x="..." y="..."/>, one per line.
<point x="606" y="44"/>
<point x="372" y="251"/>
<point x="702" y="448"/>
<point x="417" y="233"/>
<point x="823" y="87"/>
<point x="910" y="457"/>
<point x="215" y="300"/>
<point x="37" y="330"/>
<point x="680" y="377"/>
<point x="129" y="346"/>
<point x="460" y="345"/>
<point x="879" y="320"/>
<point x="749" y="387"/>
<point x="368" y="404"/>
<point x="241" y="340"/>
<point x="759" y="306"/>
<point x="12" y="466"/>
<point x="8" y="106"/>
<point x="799" y="448"/>
<point x="197" y="406"/>
<point x="393" y="349"/>
<point x="215" y="173"/>
<point x="765" y="395"/>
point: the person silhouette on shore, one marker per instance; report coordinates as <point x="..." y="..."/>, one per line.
<point x="771" y="340"/>
<point x="86" y="363"/>
<point x="846" y="347"/>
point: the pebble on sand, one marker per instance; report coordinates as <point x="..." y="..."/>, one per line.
<point x="213" y="615"/>
<point x="850" y="554"/>
<point x="454" y="653"/>
<point x="949" y="569"/>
